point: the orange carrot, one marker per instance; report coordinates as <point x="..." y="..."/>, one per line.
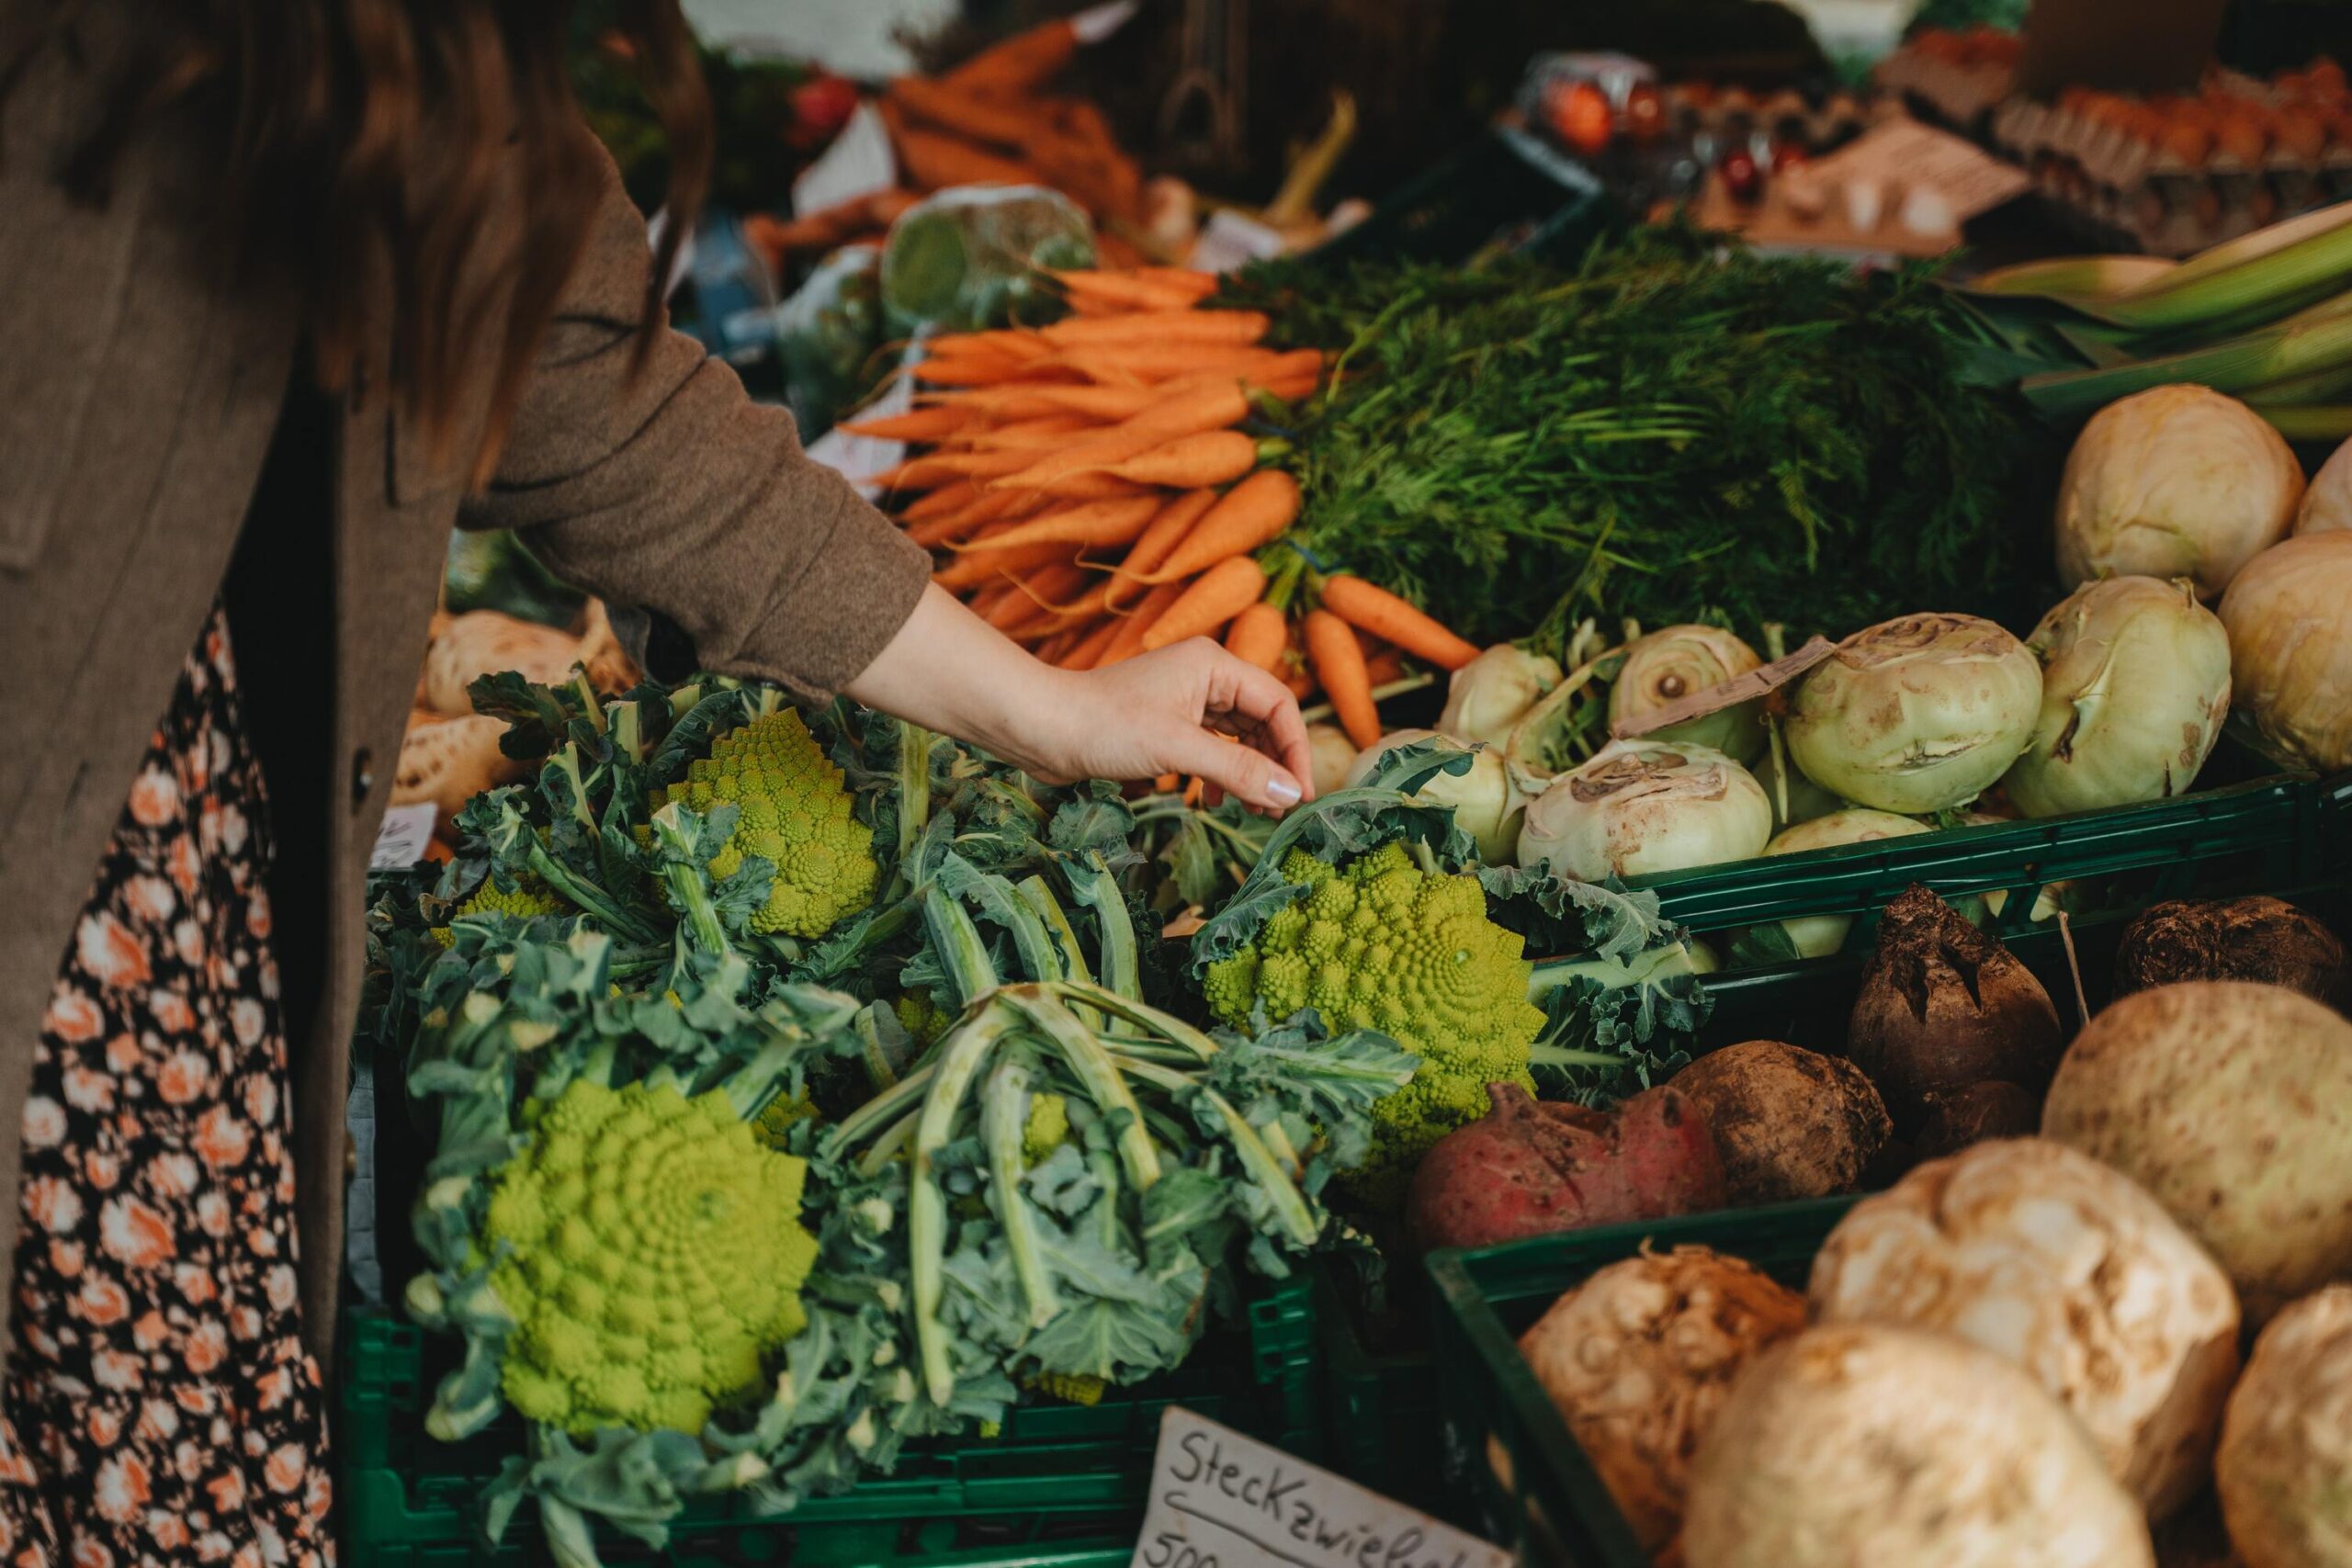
<point x="1251" y="515"/>
<point x="1228" y="327"/>
<point x="961" y="113"/>
<point x="990" y="597"/>
<point x="1215" y="597"/>
<point x="1090" y="649"/>
<point x="1213" y="405"/>
<point x="977" y="566"/>
<point x="942" y="502"/>
<point x="1181" y="280"/>
<point x="1092" y="455"/>
<point x="1127" y="291"/>
<point x="1191" y="461"/>
<point x="934" y="162"/>
<point x="1380" y="613"/>
<point x="1336" y="659"/>
<point x="1145" y="365"/>
<point x="1029" y="432"/>
<point x="945" y="530"/>
<point x="1033" y="596"/>
<point x="922" y="425"/>
<point x="1012" y="342"/>
<point x="1095" y="487"/>
<point x="1055" y="649"/>
<point x="967" y="369"/>
<point x="1159" y="541"/>
<point x="1256" y="636"/>
<point x="1018" y="64"/>
<point x="1089" y="525"/>
<point x="1107" y="403"/>
<point x="1129" y="642"/>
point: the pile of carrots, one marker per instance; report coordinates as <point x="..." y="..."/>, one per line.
<point x="1089" y="492"/>
<point x="990" y="122"/>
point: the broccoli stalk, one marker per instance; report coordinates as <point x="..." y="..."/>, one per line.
<point x="678" y="837"/>
<point x="1004" y="1116"/>
<point x="960" y="1057"/>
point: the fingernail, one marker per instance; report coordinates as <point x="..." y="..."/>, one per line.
<point x="1280" y="791"/>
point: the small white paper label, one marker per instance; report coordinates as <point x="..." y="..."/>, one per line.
<point x="1221" y="1500"/>
<point x="858" y="458"/>
<point x="1230" y="242"/>
<point x="1098" y="22"/>
<point x="400" y="843"/>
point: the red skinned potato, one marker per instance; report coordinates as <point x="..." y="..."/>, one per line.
<point x="1532" y="1169"/>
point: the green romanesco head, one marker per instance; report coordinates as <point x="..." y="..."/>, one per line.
<point x="1383" y="944"/>
<point x="921" y="1017"/>
<point x="1046" y="1129"/>
<point x="527" y="900"/>
<point x="650" y="1253"/>
<point x="779" y="1116"/>
<point x="795" y="814"/>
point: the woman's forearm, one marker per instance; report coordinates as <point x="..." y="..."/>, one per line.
<point x="949" y="669"/>
<point x="1180" y="710"/>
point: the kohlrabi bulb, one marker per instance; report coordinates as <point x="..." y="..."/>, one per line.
<point x="1640" y="807"/>
<point x="1671" y="663"/>
<point x="1486" y="697"/>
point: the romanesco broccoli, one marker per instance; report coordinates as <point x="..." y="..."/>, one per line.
<point x="921" y="1017"/>
<point x="527" y="900"/>
<point x="653" y="1254"/>
<point x="1047" y="1128"/>
<point x="795" y="815"/>
<point x="781" y="1115"/>
<point x="1383" y="944"/>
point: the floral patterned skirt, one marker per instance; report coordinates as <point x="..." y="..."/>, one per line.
<point x="160" y="1407"/>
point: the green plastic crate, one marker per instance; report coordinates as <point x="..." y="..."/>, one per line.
<point x="1061" y="1486"/>
<point x="1533" y="1489"/>
<point x="1381" y="1402"/>
<point x="2274" y="832"/>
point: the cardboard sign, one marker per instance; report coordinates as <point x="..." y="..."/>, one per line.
<point x="400" y="843"/>
<point x="1221" y="1500"/>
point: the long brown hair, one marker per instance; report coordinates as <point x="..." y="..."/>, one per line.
<point x="357" y="137"/>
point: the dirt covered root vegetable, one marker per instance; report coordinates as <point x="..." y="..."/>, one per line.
<point x="1957" y="1118"/>
<point x="2285" y="1468"/>
<point x="1860" y="1445"/>
<point x="1529" y="1168"/>
<point x="1641" y="1356"/>
<point x="2174" y="482"/>
<point x="448" y="761"/>
<point x="2065" y="1268"/>
<point x="2232" y="1103"/>
<point x="2291" y="649"/>
<point x="1943" y="1006"/>
<point x="2260" y="939"/>
<point x="1789" y="1123"/>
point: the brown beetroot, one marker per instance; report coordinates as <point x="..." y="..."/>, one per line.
<point x="1529" y="1168"/>
<point x="1789" y="1123"/>
<point x="2266" y="940"/>
<point x="1957" y="1118"/>
<point x="1943" y="1006"/>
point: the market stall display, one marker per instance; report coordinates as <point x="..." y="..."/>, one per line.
<point x="1803" y="1013"/>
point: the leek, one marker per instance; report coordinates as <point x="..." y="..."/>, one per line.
<point x="2285" y="261"/>
<point x="2314" y="423"/>
<point x="2234" y="365"/>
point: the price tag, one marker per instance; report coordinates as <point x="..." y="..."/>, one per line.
<point x="400" y="843"/>
<point x="1221" y="1500"/>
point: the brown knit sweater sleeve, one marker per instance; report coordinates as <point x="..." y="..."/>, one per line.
<point x="674" y="490"/>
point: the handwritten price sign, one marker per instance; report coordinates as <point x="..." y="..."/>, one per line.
<point x="1221" y="1500"/>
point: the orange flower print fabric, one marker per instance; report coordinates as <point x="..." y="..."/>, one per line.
<point x="160" y="1407"/>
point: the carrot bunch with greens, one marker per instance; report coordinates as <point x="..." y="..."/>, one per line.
<point x="1094" y="489"/>
<point x="1091" y="487"/>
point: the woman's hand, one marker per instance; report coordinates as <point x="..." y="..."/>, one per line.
<point x="1168" y="712"/>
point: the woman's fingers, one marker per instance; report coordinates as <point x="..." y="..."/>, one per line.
<point x="1259" y="708"/>
<point x="1243" y="771"/>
